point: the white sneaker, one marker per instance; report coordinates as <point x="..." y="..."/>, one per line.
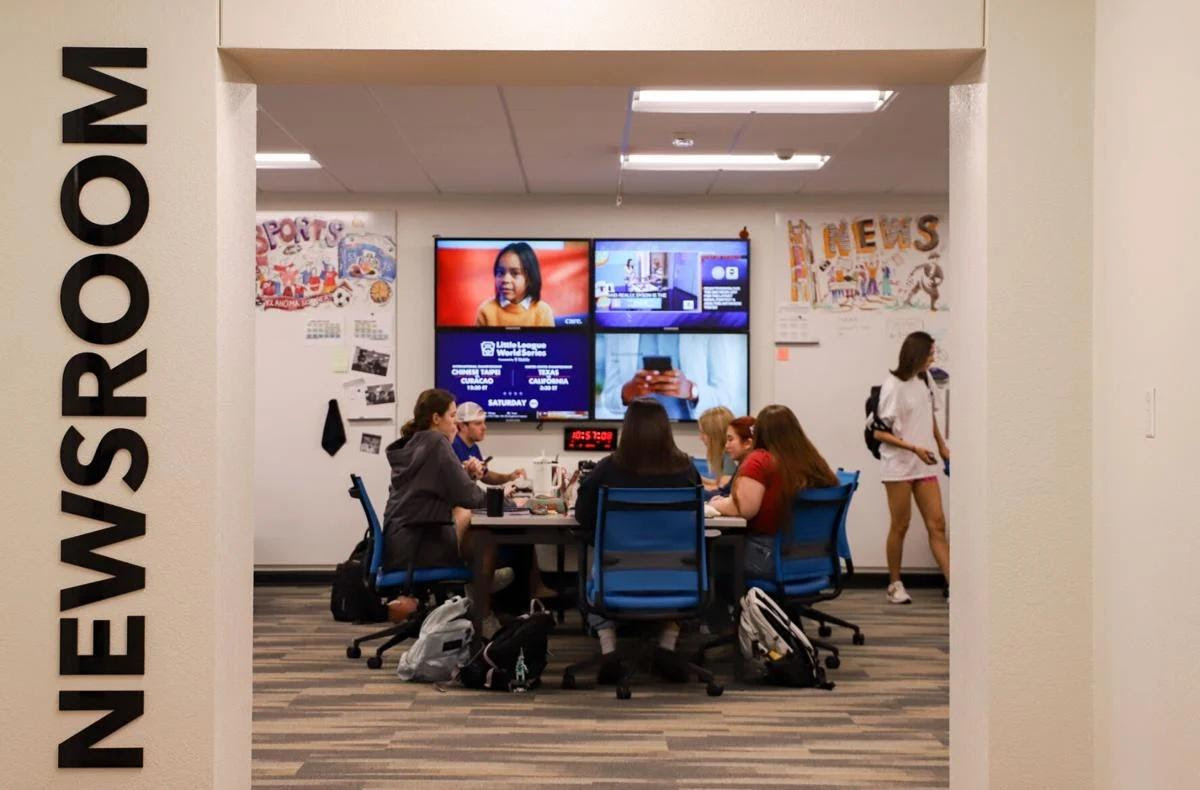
<point x="897" y="594"/>
<point x="489" y="626"/>
<point x="502" y="578"/>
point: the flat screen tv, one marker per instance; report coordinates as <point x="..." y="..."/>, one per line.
<point x="671" y="284"/>
<point x="517" y="375"/>
<point x="534" y="283"/>
<point x="688" y="372"/>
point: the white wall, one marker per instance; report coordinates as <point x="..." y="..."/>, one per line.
<point x="1146" y="541"/>
<point x="825" y="388"/>
<point x="1021" y="638"/>
<point x="690" y="25"/>
<point x="197" y="597"/>
<point x="303" y="514"/>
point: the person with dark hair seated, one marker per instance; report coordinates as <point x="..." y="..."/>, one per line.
<point x="646" y="457"/>
<point x="429" y="488"/>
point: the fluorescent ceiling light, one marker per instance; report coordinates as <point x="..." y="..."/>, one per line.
<point x="285" y="161"/>
<point x="710" y="162"/>
<point x="759" y="101"/>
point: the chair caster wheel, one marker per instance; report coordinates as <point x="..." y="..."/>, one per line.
<point x="832" y="662"/>
<point x="623" y="692"/>
<point x="714" y="690"/>
<point x="858" y="638"/>
<point x="374" y="662"/>
<point x="824" y="630"/>
<point x="568" y="681"/>
<point x="353" y="652"/>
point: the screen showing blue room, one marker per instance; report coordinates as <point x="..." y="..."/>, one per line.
<point x="523" y="375"/>
<point x="686" y="372"/>
<point x="679" y="284"/>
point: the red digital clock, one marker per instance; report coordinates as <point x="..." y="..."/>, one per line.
<point x="590" y="439"/>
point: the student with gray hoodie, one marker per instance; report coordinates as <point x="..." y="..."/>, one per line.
<point x="431" y="496"/>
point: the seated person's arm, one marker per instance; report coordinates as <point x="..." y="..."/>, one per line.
<point x="749" y="499"/>
<point x="499" y="478"/>
<point x="474" y="468"/>
<point x="461" y="490"/>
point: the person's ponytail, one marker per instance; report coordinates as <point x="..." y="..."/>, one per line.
<point x="429" y="403"/>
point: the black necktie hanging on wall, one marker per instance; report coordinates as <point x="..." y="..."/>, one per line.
<point x="334" y="435"/>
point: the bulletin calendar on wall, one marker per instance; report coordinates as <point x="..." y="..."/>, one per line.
<point x="325" y="298"/>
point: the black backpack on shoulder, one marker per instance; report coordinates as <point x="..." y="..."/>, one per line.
<point x="350" y="598"/>
<point x="873" y="424"/>
<point x="516" y="656"/>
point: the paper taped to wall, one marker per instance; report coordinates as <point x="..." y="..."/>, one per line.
<point x="794" y="324"/>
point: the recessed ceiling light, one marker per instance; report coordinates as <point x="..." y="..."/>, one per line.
<point x="285" y="161"/>
<point x="709" y="162"/>
<point x="759" y="101"/>
<point x="682" y="141"/>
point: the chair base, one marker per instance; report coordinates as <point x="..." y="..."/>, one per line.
<point x="824" y="618"/>
<point x="394" y="634"/>
<point x="641" y="656"/>
<point x="409" y="629"/>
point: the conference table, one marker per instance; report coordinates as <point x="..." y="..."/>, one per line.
<point x="522" y="528"/>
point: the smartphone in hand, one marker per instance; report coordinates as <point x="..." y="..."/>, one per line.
<point x="659" y="364"/>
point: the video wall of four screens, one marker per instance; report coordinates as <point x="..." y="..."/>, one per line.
<point x="573" y="329"/>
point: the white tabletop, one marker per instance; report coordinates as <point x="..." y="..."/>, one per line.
<point x="530" y="520"/>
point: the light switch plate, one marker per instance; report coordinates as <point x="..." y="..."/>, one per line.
<point x="1151" y="408"/>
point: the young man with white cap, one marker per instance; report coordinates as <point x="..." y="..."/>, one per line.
<point x="472" y="427"/>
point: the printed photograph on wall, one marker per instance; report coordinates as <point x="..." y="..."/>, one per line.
<point x="881" y="262"/>
<point x="304" y="262"/>
<point x="368" y="361"/>
<point x="378" y="394"/>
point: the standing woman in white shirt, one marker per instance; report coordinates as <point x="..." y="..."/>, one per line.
<point x="909" y="466"/>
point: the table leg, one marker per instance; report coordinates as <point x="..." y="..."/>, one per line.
<point x="738" y="543"/>
<point x="482" y="541"/>
<point x="561" y="558"/>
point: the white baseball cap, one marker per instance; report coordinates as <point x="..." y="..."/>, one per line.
<point x="470" y="411"/>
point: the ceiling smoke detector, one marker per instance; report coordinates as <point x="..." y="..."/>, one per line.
<point x="682" y="141"/>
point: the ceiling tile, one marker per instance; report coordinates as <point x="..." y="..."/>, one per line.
<point x="343" y="127"/>
<point x="297" y="181"/>
<point x="271" y="137"/>
<point x="460" y="135"/>
<point x="398" y="138"/>
<point x="569" y="138"/>
<point x="733" y="182"/>
<point x="649" y="182"/>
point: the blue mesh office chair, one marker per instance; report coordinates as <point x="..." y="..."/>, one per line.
<point x="822" y="618"/>
<point x="807" y="563"/>
<point x="649" y="564"/>
<point x="389" y="583"/>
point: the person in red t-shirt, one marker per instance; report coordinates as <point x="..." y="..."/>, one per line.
<point x="783" y="462"/>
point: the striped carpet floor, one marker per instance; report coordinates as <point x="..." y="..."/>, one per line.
<point x="323" y="721"/>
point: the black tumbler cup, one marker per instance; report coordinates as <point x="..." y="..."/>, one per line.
<point x="495" y="501"/>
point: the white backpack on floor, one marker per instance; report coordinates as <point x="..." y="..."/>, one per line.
<point x="443" y="645"/>
<point x="776" y="646"/>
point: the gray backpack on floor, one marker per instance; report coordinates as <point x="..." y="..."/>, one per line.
<point x="777" y="648"/>
<point x="443" y="645"/>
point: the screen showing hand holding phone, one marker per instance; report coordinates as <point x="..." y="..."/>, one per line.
<point x="659" y="364"/>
